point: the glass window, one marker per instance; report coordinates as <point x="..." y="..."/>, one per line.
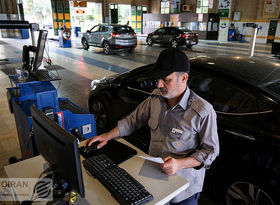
<point x="202" y="6"/>
<point x="104" y="29"/>
<point x="202" y="26"/>
<point x="95" y="29"/>
<point x="161" y="31"/>
<point x="223" y="96"/>
<point x="174" y="31"/>
<point x="143" y="83"/>
<point x="270" y="119"/>
<point x="123" y="29"/>
<point x="164" y="7"/>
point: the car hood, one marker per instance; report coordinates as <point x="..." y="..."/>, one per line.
<point x="104" y="80"/>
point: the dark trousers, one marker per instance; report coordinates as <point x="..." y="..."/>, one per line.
<point x="193" y="200"/>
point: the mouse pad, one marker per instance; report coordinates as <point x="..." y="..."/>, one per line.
<point x="116" y="151"/>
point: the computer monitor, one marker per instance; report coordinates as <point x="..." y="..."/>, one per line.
<point x="39" y="50"/>
<point x="59" y="148"/>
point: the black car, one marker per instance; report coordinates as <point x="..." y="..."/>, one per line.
<point x="245" y="93"/>
<point x="173" y="36"/>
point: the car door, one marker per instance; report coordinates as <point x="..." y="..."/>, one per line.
<point x="158" y="35"/>
<point x="94" y="32"/>
<point x="172" y="33"/>
<point x="237" y="112"/>
<point x="100" y="34"/>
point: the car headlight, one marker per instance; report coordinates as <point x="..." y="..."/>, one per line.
<point x="94" y="83"/>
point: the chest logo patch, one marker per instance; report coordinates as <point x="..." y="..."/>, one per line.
<point x="174" y="130"/>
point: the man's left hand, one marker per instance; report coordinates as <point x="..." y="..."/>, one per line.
<point x="170" y="165"/>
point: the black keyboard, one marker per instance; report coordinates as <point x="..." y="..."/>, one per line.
<point x="123" y="187"/>
<point x="44" y="75"/>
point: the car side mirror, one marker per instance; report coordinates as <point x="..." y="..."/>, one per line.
<point x="88" y="31"/>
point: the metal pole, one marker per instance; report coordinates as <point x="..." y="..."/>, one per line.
<point x="253" y="41"/>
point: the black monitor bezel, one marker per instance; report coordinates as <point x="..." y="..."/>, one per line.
<point x="59" y="148"/>
<point x="39" y="55"/>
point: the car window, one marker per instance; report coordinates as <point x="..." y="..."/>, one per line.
<point x="103" y="29"/>
<point x="123" y="29"/>
<point x="185" y="30"/>
<point x="161" y="31"/>
<point x="273" y="87"/>
<point x="142" y="82"/>
<point x="174" y="31"/>
<point x="222" y="95"/>
<point x="94" y="29"/>
<point x="270" y="119"/>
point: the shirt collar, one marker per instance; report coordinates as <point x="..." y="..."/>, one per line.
<point x="185" y="98"/>
<point x="183" y="102"/>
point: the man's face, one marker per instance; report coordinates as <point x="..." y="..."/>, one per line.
<point x="173" y="85"/>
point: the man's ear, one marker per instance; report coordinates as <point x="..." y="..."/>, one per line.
<point x="185" y="77"/>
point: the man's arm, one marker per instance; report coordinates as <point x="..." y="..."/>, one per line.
<point x="125" y="126"/>
<point x="104" y="138"/>
<point x="172" y="165"/>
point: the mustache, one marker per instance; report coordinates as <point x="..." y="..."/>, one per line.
<point x="163" y="90"/>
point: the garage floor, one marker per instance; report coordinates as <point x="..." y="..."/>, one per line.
<point x="78" y="67"/>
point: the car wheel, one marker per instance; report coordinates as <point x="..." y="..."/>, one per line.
<point x="244" y="192"/>
<point x="101" y="114"/>
<point x="106" y="48"/>
<point x="149" y="41"/>
<point x="131" y="50"/>
<point x="189" y="46"/>
<point x="174" y="43"/>
<point x="85" y="44"/>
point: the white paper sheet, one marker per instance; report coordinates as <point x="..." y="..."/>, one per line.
<point x="153" y="159"/>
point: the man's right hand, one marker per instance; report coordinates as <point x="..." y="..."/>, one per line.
<point x="104" y="138"/>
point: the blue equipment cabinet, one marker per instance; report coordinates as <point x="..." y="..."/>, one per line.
<point x="65" y="43"/>
<point x="22" y="95"/>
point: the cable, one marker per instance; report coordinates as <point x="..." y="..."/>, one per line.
<point x="45" y="171"/>
<point x="49" y="62"/>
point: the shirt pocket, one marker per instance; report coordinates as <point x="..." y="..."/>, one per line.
<point x="181" y="142"/>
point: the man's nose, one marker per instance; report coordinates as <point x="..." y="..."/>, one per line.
<point x="160" y="83"/>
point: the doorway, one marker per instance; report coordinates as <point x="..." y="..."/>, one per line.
<point x="271" y="31"/>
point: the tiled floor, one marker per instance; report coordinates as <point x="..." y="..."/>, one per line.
<point x="79" y="67"/>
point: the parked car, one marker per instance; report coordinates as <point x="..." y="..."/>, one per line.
<point x="110" y="36"/>
<point x="245" y="93"/>
<point x="173" y="36"/>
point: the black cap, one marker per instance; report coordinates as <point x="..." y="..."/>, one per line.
<point x="170" y="60"/>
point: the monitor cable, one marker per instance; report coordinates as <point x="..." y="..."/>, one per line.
<point x="29" y="202"/>
<point x="49" y="62"/>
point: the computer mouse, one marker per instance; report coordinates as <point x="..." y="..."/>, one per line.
<point x="88" y="151"/>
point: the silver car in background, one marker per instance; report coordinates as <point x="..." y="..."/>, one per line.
<point x="110" y="36"/>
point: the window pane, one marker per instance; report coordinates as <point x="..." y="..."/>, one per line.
<point x="205" y="3"/>
<point x="270" y="120"/>
<point x="204" y="10"/>
<point x="228" y="99"/>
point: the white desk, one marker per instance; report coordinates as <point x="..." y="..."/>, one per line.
<point x="161" y="186"/>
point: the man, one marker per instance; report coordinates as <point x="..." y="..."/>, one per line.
<point x="183" y="125"/>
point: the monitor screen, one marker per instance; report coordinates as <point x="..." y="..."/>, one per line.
<point x="40" y="49"/>
<point x="59" y="148"/>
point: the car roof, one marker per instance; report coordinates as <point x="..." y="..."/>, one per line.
<point x="114" y="25"/>
<point x="255" y="71"/>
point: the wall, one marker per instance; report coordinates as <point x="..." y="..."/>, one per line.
<point x="8" y="7"/>
<point x="154" y="6"/>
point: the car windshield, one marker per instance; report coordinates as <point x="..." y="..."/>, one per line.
<point x="184" y="29"/>
<point x="123" y="29"/>
<point x="274" y="87"/>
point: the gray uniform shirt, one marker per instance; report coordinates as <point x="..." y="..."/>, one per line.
<point x="187" y="129"/>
